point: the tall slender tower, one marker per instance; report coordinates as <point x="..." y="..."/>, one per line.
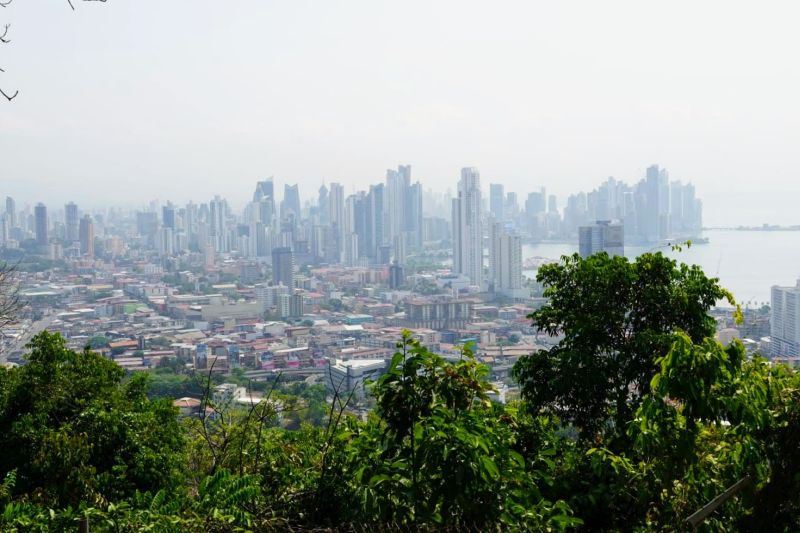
<point x="336" y="214"/>
<point x="497" y="198"/>
<point x="87" y="236"/>
<point x="40" y="221"/>
<point x="71" y="221"/>
<point x="11" y="209"/>
<point x="467" y="227"/>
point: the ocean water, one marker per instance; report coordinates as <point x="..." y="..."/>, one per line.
<point x="747" y="263"/>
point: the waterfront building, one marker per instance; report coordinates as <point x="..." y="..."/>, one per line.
<point x="603" y="236"/>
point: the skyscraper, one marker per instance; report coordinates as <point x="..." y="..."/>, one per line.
<point x="168" y="216"/>
<point x="505" y="261"/>
<point x="412" y="215"/>
<point x="467" y="227"/>
<point x="353" y="228"/>
<point x="375" y="234"/>
<point x="651" y="210"/>
<point x="336" y="213"/>
<point x="5" y="228"/>
<point x="552" y="204"/>
<point x="603" y="236"/>
<point x="264" y="189"/>
<point x="291" y="202"/>
<point x="40" y="222"/>
<point x="283" y="266"/>
<point x="86" y="236"/>
<point x="497" y="201"/>
<point x="217" y="231"/>
<point x="323" y="206"/>
<point x="511" y="207"/>
<point x="397" y="184"/>
<point x="785" y="321"/>
<point x="71" y="222"/>
<point x="11" y="210"/>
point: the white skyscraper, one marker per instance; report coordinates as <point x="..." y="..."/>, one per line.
<point x="71" y="222"/>
<point x="397" y="185"/>
<point x="336" y="214"/>
<point x="467" y="227"/>
<point x="217" y="229"/>
<point x="785" y="324"/>
<point x="505" y="261"/>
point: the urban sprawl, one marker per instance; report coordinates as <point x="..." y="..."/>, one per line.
<point x="321" y="290"/>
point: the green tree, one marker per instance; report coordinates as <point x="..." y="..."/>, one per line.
<point x="98" y="341"/>
<point x="440" y="453"/>
<point x="617" y="318"/>
<point x="74" y="432"/>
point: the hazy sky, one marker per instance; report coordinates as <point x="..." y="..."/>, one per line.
<point x="181" y="99"/>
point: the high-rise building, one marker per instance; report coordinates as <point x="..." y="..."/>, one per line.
<point x="217" y="230"/>
<point x="86" y="236"/>
<point x="264" y="189"/>
<point x="397" y="184"/>
<point x="354" y="226"/>
<point x="283" y="266"/>
<point x="505" y="261"/>
<point x="412" y="216"/>
<point x="785" y="321"/>
<point x="297" y="304"/>
<point x="511" y="207"/>
<point x="264" y="200"/>
<point x="677" y="221"/>
<point x="147" y="225"/>
<point x="603" y="236"/>
<point x="536" y="202"/>
<point x="396" y="276"/>
<point x="41" y="223"/>
<point x="497" y="200"/>
<point x="168" y="216"/>
<point x="5" y="228"/>
<point x="336" y="213"/>
<point x="651" y="208"/>
<point x="323" y="206"/>
<point x="11" y="210"/>
<point x="290" y="206"/>
<point x="375" y="234"/>
<point x="71" y="222"/>
<point x="552" y="204"/>
<point x="467" y="227"/>
<point x="268" y="296"/>
<point x="165" y="241"/>
<point x="403" y="207"/>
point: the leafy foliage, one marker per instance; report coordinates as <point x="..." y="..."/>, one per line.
<point x="74" y="432"/>
<point x="617" y="318"/>
<point x="441" y="453"/>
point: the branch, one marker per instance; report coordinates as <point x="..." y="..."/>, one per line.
<point x="5" y="32"/>
<point x="72" y="6"/>
<point x="4" y="4"/>
<point x="9" y="98"/>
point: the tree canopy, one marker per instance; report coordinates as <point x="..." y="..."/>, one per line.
<point x="617" y="318"/>
<point x="676" y="425"/>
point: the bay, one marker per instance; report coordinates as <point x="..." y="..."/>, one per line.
<point x="748" y="263"/>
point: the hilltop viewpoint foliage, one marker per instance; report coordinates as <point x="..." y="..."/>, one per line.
<point x="634" y="421"/>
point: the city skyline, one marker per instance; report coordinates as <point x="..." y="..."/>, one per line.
<point x="513" y="92"/>
<point x="449" y="265"/>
